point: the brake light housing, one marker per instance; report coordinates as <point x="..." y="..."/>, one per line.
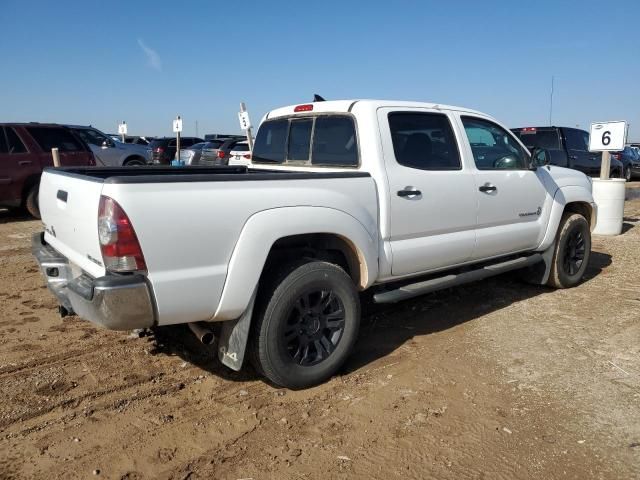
<point x="121" y="251"/>
<point x="304" y="108"/>
<point x="220" y="154"/>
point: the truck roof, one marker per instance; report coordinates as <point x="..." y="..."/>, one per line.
<point x="344" y="106"/>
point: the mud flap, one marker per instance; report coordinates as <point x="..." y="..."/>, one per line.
<point x="233" y="338"/>
<point x="539" y="274"/>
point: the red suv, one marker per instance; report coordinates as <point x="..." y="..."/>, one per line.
<point x="25" y="149"/>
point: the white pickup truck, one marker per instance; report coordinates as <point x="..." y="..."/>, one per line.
<point x="342" y="196"/>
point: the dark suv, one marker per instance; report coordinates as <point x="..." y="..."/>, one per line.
<point x="164" y="149"/>
<point x="25" y="149"/>
<point x="567" y="147"/>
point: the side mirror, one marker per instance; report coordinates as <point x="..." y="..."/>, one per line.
<point x="107" y="143"/>
<point x="539" y="158"/>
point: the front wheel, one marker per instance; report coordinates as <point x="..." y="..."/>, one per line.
<point x="627" y="174"/>
<point x="306" y="324"/>
<point x="572" y="251"/>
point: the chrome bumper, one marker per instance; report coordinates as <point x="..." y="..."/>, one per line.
<point x="117" y="302"/>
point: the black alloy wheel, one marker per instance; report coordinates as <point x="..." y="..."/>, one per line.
<point x="574" y="252"/>
<point x="314" y="327"/>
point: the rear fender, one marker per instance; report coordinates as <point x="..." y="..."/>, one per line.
<point x="263" y="229"/>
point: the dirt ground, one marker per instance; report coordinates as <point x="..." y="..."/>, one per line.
<point x="495" y="380"/>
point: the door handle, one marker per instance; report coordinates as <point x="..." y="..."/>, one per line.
<point x="488" y="188"/>
<point x="25" y="162"/>
<point x="409" y="192"/>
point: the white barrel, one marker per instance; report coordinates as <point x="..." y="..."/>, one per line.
<point x="609" y="197"/>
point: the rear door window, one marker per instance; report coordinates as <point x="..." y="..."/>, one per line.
<point x="424" y="141"/>
<point x="51" y="137"/>
<point x="14" y="143"/>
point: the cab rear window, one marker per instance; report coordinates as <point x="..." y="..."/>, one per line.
<point x="323" y="140"/>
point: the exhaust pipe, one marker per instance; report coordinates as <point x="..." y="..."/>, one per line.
<point x="203" y="332"/>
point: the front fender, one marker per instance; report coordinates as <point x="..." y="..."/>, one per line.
<point x="264" y="228"/>
<point x="563" y="197"/>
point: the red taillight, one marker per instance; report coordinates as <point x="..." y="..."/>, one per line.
<point x="616" y="156"/>
<point x="121" y="250"/>
<point x="159" y="150"/>
<point x="247" y="156"/>
<point x="220" y="154"/>
<point x="303" y="108"/>
<point x="528" y="130"/>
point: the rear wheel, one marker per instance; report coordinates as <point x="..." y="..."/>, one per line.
<point x="31" y="201"/>
<point x="306" y="324"/>
<point x="627" y="174"/>
<point x="572" y="251"/>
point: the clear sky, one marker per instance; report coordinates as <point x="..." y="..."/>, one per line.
<point x="96" y="62"/>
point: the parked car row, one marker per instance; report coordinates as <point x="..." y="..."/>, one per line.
<point x="25" y="149"/>
<point x="630" y="159"/>
<point x="217" y="152"/>
<point x="163" y="150"/>
<point x="568" y="147"/>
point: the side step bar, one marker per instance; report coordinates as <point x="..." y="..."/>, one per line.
<point x="434" y="284"/>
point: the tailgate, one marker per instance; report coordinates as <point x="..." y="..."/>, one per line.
<point x="69" y="210"/>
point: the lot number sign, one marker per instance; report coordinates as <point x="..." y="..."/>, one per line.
<point x="177" y="125"/>
<point x="607" y="136"/>
<point x="122" y="128"/>
<point x="245" y="123"/>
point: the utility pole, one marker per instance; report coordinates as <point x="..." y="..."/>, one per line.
<point x="197" y="129"/>
<point x="551" y="102"/>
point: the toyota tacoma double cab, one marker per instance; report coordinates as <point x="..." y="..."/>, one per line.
<point x="401" y="198"/>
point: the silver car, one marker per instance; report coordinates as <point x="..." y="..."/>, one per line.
<point x="191" y="155"/>
<point x="110" y="152"/>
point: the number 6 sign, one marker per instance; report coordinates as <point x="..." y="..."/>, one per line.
<point x="607" y="136"/>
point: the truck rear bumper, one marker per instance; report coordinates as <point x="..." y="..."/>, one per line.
<point x="117" y="302"/>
